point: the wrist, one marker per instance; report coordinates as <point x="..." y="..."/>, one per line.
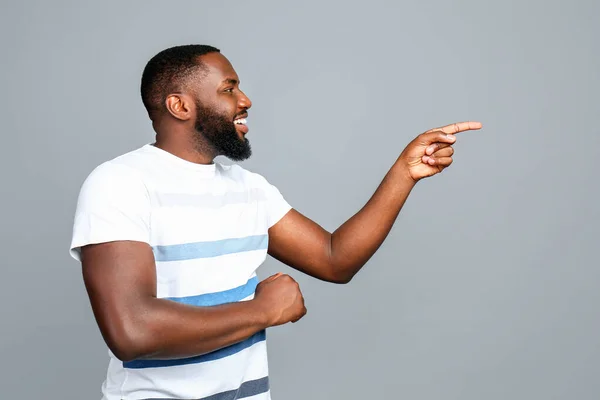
<point x="401" y="174"/>
<point x="261" y="310"/>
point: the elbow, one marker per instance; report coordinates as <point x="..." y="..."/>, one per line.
<point x="344" y="280"/>
<point x="341" y="271"/>
<point x="341" y="281"/>
<point x="341" y="277"/>
<point x="128" y="341"/>
<point x="124" y="351"/>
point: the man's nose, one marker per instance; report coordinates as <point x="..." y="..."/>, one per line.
<point x="244" y="101"/>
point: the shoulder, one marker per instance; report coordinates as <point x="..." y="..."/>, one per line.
<point x="127" y="167"/>
<point x="118" y="177"/>
<point x="112" y="173"/>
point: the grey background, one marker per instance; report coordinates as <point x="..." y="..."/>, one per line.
<point x="488" y="285"/>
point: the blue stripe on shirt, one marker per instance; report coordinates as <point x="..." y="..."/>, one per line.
<point x="215" y="355"/>
<point x="190" y="251"/>
<point x="226" y="296"/>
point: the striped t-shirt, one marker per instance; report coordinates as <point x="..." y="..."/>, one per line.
<point x="208" y="229"/>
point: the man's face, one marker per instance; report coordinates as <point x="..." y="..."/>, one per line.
<point x="222" y="109"/>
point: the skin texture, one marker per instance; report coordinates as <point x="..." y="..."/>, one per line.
<point x="120" y="276"/>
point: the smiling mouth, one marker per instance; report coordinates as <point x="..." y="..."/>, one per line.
<point x="240" y="125"/>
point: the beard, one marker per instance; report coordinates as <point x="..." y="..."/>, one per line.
<point x="220" y="135"/>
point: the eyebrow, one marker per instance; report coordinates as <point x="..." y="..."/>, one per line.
<point x="231" y="81"/>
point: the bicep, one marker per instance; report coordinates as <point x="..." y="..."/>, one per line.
<point x="119" y="277"/>
<point x="302" y="244"/>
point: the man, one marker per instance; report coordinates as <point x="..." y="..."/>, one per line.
<point x="169" y="240"/>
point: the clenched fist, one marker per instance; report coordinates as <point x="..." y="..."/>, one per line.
<point x="280" y="298"/>
<point x="431" y="152"/>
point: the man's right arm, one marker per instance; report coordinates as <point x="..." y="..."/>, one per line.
<point x="120" y="278"/>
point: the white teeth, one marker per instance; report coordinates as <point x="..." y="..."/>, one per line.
<point x="241" y="121"/>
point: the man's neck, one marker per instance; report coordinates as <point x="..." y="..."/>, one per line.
<point x="181" y="146"/>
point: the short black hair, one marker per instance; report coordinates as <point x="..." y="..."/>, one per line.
<point x="167" y="70"/>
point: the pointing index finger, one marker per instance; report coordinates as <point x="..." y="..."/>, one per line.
<point x="459" y="127"/>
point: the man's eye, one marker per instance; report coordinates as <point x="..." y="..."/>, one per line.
<point x="230" y="90"/>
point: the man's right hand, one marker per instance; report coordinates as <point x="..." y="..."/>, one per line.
<point x="280" y="297"/>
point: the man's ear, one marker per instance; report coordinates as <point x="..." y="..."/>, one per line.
<point x="179" y="106"/>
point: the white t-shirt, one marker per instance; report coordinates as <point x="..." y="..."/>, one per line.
<point x="208" y="229"/>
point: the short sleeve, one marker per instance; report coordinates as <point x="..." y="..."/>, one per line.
<point x="113" y="204"/>
<point x="277" y="206"/>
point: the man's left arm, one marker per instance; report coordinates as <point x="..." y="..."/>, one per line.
<point x="336" y="257"/>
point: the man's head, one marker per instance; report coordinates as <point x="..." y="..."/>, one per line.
<point x="196" y="86"/>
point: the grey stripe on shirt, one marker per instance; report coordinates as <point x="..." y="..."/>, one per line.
<point x="247" y="389"/>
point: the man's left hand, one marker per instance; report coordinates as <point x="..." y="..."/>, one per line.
<point x="431" y="152"/>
